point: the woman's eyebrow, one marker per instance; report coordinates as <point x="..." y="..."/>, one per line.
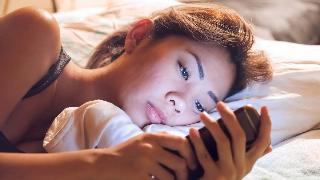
<point x="199" y="64"/>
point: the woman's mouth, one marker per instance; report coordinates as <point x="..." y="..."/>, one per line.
<point x="155" y="115"/>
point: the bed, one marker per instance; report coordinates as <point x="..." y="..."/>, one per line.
<point x="292" y="96"/>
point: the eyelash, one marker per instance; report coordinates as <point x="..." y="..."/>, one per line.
<point x="199" y="106"/>
<point x="184" y="71"/>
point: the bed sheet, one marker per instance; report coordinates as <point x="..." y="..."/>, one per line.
<point x="295" y="159"/>
<point x="292" y="96"/>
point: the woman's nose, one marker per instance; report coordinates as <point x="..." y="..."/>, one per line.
<point x="176" y="103"/>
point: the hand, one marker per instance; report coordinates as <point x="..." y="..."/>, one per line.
<point x="234" y="162"/>
<point x="146" y="155"/>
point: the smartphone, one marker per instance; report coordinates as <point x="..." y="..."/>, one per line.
<point x="249" y="120"/>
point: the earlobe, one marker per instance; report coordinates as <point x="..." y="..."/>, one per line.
<point x="140" y="30"/>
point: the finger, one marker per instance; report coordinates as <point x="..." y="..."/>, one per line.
<point x="202" y="153"/>
<point x="263" y="140"/>
<point x="173" y="162"/>
<point x="238" y="137"/>
<point x="159" y="172"/>
<point x="222" y="141"/>
<point x="179" y="144"/>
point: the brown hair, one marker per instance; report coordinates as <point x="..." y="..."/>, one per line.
<point x="207" y="23"/>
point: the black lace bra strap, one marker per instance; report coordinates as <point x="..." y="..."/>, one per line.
<point x="6" y="146"/>
<point x="53" y="73"/>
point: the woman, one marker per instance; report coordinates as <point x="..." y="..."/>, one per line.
<point x="181" y="62"/>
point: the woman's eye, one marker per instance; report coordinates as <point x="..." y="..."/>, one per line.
<point x="184" y="72"/>
<point x="199" y="106"/>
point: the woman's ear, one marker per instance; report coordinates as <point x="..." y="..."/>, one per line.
<point x="137" y="33"/>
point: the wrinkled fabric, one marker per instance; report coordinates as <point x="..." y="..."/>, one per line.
<point x="95" y="124"/>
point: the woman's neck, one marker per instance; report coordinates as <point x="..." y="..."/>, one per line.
<point x="73" y="88"/>
<point x="77" y="86"/>
<point x="108" y="81"/>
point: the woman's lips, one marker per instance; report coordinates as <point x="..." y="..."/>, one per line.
<point x="155" y="115"/>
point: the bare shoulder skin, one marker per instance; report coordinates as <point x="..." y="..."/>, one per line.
<point x="30" y="44"/>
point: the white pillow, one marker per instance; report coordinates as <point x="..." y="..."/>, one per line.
<point x="292" y="96"/>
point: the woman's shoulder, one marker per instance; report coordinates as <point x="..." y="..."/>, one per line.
<point x="30" y="44"/>
<point x="28" y="30"/>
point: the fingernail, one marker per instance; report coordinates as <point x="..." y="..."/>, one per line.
<point x="192" y="131"/>
<point x="265" y="109"/>
<point x="205" y="113"/>
<point x="208" y="117"/>
<point x="269" y="150"/>
<point x="221" y="104"/>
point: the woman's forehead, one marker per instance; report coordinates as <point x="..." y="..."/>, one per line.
<point x="181" y="43"/>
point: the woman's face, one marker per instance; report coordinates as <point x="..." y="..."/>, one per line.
<point x="172" y="80"/>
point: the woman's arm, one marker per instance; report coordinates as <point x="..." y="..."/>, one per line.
<point x="73" y="165"/>
<point x="139" y="158"/>
<point x="29" y="45"/>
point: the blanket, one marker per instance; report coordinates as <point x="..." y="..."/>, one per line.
<point x="291" y="159"/>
